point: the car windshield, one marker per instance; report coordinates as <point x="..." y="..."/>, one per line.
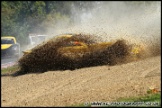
<point x="7" y="41"/>
<point x="37" y="39"/>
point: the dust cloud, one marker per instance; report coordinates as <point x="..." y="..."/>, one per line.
<point x="137" y="22"/>
<point x="134" y="22"/>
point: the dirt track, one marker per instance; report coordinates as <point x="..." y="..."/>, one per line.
<point x="65" y="88"/>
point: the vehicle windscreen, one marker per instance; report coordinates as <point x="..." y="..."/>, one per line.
<point x="7" y="41"/>
<point x="37" y="39"/>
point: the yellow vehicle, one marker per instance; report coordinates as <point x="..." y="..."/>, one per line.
<point x="75" y="48"/>
<point x="73" y="51"/>
<point x="9" y="47"/>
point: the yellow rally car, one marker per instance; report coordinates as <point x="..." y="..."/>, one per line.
<point x="73" y="51"/>
<point x="76" y="48"/>
<point x="9" y="47"/>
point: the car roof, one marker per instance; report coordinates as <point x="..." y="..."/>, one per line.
<point x="7" y="37"/>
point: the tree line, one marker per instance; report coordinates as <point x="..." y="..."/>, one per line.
<point x="19" y="18"/>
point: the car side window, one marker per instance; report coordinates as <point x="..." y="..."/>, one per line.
<point x="10" y="41"/>
<point x="7" y="41"/>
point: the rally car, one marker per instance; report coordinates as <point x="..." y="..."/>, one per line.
<point x="71" y="46"/>
<point x="74" y="51"/>
<point x="9" y="47"/>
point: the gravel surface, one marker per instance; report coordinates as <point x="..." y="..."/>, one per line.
<point x="66" y="88"/>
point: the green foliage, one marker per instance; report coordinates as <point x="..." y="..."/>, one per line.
<point x="19" y="18"/>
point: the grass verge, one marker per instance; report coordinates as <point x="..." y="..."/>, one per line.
<point x="11" y="69"/>
<point x="149" y="100"/>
